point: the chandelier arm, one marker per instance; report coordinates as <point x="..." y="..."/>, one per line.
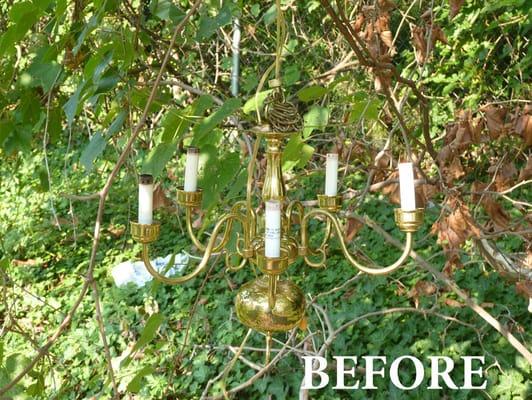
<point x="206" y="255"/>
<point x="227" y="232"/>
<point x="337" y="228"/>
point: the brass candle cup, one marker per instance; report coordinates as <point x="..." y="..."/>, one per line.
<point x="330" y="203"/>
<point x="189" y="199"/>
<point x="409" y="221"/>
<point x="145" y="233"/>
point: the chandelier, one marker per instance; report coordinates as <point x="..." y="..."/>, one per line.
<point x="267" y="237"/>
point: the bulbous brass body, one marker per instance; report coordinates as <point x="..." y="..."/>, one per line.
<point x="253" y="310"/>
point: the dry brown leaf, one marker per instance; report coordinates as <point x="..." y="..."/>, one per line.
<point x="526" y="172"/>
<point x="523" y="126"/>
<point x="505" y="176"/>
<point x="456" y="170"/>
<point x="494" y="119"/>
<point x="453" y="303"/>
<point x="423" y="288"/>
<point x="25" y="263"/>
<point x="352" y="227"/>
<point x="358" y="22"/>
<point x="387" y="38"/>
<point x="116" y="231"/>
<point x="386" y="5"/>
<point x="457" y="227"/>
<point x="455" y="7"/>
<point x="160" y="200"/>
<point x="419" y="43"/>
<point x="500" y="218"/>
<point x="477" y="188"/>
<point x="392" y="190"/>
<point x="524" y="288"/>
<point x="438" y="35"/>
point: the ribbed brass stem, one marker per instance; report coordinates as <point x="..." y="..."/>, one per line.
<point x="273" y="181"/>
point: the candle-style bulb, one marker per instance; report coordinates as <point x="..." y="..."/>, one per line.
<point x="272" y="233"/>
<point x="191" y="170"/>
<point x="145" y="199"/>
<point x="406" y="187"/>
<point x="331" y="174"/>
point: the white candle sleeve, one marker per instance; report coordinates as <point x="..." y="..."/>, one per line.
<point x="272" y="233"/>
<point x="146" y="199"/>
<point x="191" y="170"/>
<point x="406" y="187"/>
<point x="331" y="175"/>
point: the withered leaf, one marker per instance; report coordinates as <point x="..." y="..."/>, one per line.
<point x="497" y="214"/>
<point x="457" y="227"/>
<point x="387" y="38"/>
<point x="526" y="172"/>
<point x="438" y="35"/>
<point x="357" y="24"/>
<point x="523" y="126"/>
<point x="524" y="288"/>
<point x="455" y="7"/>
<point x="420" y="45"/>
<point x="494" y="119"/>
<point x="352" y="227"/>
<point x="423" y="288"/>
<point x="505" y="176"/>
<point x="386" y="5"/>
<point x="392" y="190"/>
<point x="160" y="200"/>
<point x="453" y="303"/>
<point x="456" y="170"/>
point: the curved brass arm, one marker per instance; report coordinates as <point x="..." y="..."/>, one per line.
<point x="336" y="225"/>
<point x="226" y="234"/>
<point x="209" y="249"/>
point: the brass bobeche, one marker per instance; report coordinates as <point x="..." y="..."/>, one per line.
<point x="270" y="304"/>
<point x="409" y="221"/>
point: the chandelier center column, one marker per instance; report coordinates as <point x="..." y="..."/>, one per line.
<point x="273" y="188"/>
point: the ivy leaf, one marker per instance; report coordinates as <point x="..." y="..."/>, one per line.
<point x="316" y="119"/>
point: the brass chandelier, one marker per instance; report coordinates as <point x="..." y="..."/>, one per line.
<point x="267" y="237"/>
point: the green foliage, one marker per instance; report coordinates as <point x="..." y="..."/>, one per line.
<point x="75" y="78"/>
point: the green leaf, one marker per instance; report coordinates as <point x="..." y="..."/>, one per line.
<point x="148" y="333"/>
<point x="255" y="101"/>
<point x="117" y="123"/>
<point x="316" y="119"/>
<point x="213" y="120"/>
<point x="177" y="122"/>
<point x="135" y="384"/>
<point x="311" y="93"/>
<point x="45" y="74"/>
<point x="368" y="110"/>
<point x="208" y="25"/>
<point x="158" y="158"/>
<point x="72" y="105"/>
<point x="296" y="153"/>
<point x="19" y="10"/>
<point x="270" y="15"/>
<point x="95" y="147"/>
<point x="168" y="11"/>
